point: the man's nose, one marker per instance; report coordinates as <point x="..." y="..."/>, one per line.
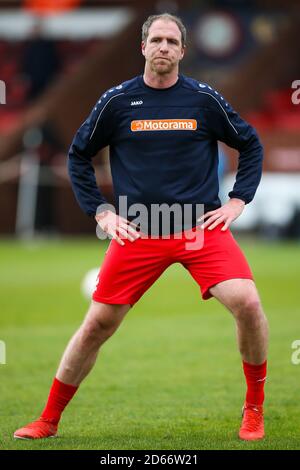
<point x="164" y="47"/>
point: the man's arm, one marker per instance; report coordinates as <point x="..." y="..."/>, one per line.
<point x="94" y="134"/>
<point x="227" y="126"/>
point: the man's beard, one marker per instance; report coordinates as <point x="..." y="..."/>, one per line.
<point x="160" y="69"/>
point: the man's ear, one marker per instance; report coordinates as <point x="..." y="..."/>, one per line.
<point x="183" y="52"/>
<point x="143" y="44"/>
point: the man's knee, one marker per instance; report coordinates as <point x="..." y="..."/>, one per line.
<point x="248" y="308"/>
<point x="102" y="321"/>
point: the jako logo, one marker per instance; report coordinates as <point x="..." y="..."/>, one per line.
<point x="136" y="103"/>
<point x="164" y="125"/>
<point x="2" y="92"/>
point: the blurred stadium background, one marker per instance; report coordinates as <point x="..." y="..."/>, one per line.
<point x="56" y="59"/>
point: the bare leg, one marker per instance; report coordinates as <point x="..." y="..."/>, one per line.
<point x="101" y="321"/>
<point x="241" y="298"/>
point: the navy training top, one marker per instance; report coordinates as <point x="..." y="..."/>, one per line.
<point x="163" y="146"/>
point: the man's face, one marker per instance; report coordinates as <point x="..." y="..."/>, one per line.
<point x="163" y="48"/>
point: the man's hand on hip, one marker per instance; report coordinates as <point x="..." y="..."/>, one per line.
<point x="116" y="226"/>
<point x="224" y="214"/>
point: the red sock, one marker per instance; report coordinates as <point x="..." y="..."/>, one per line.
<point x="255" y="378"/>
<point x="59" y="396"/>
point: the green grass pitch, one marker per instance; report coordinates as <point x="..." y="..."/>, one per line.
<point x="170" y="378"/>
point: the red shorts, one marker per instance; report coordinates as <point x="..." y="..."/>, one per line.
<point x="128" y="271"/>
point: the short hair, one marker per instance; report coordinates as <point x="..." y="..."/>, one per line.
<point x="163" y="16"/>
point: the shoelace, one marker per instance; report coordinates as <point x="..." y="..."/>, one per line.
<point x="40" y="429"/>
<point x="252" y="419"/>
<point x="38" y="421"/>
